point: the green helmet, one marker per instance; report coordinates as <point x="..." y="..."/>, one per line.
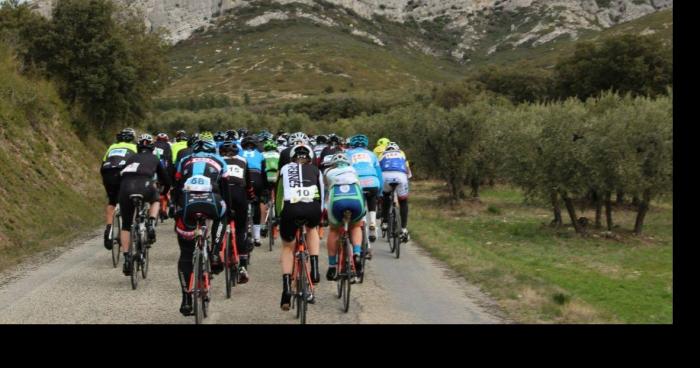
<point x="270" y="145"/>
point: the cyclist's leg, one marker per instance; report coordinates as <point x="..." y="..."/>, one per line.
<point x="386" y="200"/>
<point x="185" y="239"/>
<point x="402" y="191"/>
<point x="372" y="211"/>
<point x="258" y="181"/>
<point x="287" y="233"/>
<point x="151" y="196"/>
<point x="312" y="214"/>
<point x="110" y="180"/>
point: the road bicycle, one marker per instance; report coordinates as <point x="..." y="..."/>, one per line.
<point x="347" y="273"/>
<point x="302" y="285"/>
<point x="201" y="273"/>
<point x="114" y="235"/>
<point x="140" y="244"/>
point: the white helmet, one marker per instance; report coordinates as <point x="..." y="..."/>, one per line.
<point x="298" y="138"/>
<point x="392" y="146"/>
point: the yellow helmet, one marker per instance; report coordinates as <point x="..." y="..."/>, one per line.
<point x="206" y="136"/>
<point x="383" y="141"/>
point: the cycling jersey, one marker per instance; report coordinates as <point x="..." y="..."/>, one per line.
<point x="318" y="149"/>
<point x="272" y="159"/>
<point x="379" y="150"/>
<point x="116" y="155"/>
<point x="255" y="159"/>
<point x="345" y="194"/>
<point x="164" y="152"/>
<point x="200" y="172"/>
<point x="299" y="183"/>
<point x="393" y="161"/>
<point x="177" y="147"/>
<point x="367" y="167"/>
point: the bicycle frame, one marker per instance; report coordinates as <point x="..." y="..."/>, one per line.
<point x="230" y="230"/>
<point x="200" y="249"/>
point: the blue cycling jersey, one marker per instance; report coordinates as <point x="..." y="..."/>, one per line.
<point x="255" y="159"/>
<point x="393" y="161"/>
<point x="367" y="166"/>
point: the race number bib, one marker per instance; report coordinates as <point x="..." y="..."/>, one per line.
<point x="304" y="194"/>
<point x="235" y="171"/>
<point x="361" y="157"/>
<point x="198" y="183"/>
<point x="119" y="152"/>
<point x="392" y="154"/>
<point x="131" y="168"/>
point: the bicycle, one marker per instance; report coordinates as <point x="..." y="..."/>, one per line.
<point x="249" y="232"/>
<point x="394" y="222"/>
<point x="138" y="249"/>
<point x="270" y="221"/>
<point x="201" y="272"/>
<point x="302" y="286"/>
<point x="346" y="266"/>
<point x="230" y="257"/>
<point x="114" y="235"/>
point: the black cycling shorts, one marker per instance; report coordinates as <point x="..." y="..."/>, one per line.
<point x="208" y="204"/>
<point x="311" y="212"/>
<point x="111" y="181"/>
<point x="135" y="185"/>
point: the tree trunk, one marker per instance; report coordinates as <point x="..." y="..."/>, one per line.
<point x="572" y="212"/>
<point x="598" y="209"/>
<point x="620" y="197"/>
<point x="642" y="212"/>
<point x="556" y="208"/>
<point x="608" y="210"/>
<point x="455" y="189"/>
<point x="635" y="200"/>
<point x="474" y="183"/>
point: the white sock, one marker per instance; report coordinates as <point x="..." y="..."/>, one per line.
<point x="403" y="230"/>
<point x="372" y="218"/>
<point x="256" y="232"/>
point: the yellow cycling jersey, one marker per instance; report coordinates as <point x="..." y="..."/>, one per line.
<point x="379" y="150"/>
<point x="127" y="145"/>
<point x="177" y="147"/>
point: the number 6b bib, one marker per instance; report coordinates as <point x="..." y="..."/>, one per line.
<point x="198" y="183"/>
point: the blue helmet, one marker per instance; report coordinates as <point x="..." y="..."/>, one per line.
<point x="359" y="140"/>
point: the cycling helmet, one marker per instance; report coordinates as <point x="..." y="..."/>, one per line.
<point x="229" y="147"/>
<point x="248" y="141"/>
<point x="205" y="146"/>
<point x="321" y="139"/>
<point x="312" y="142"/>
<point x="383" y="141"/>
<point x="192" y="140"/>
<point x="298" y="138"/>
<point x="332" y="138"/>
<point x="162" y="137"/>
<point x="146" y="142"/>
<point x="219" y="136"/>
<point x="206" y="136"/>
<point x="359" y="140"/>
<point x="340" y="159"/>
<point x="270" y="145"/>
<point x="264" y="135"/>
<point x="282" y="141"/>
<point x="180" y="136"/>
<point x="392" y="146"/>
<point x="301" y="151"/>
<point x="231" y="135"/>
<point x="128" y="134"/>
<point x="242" y="132"/>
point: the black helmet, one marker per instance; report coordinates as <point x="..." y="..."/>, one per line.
<point x="231" y="135"/>
<point x="128" y="135"/>
<point x="321" y="139"/>
<point x="180" y="136"/>
<point x="301" y="151"/>
<point x="333" y="138"/>
<point x="219" y="136"/>
<point x="242" y="132"/>
<point x="146" y="142"/>
<point x="192" y="140"/>
<point x="229" y="147"/>
<point x="250" y="140"/>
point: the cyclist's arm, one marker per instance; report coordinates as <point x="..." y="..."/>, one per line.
<point x="320" y="185"/>
<point x="378" y="169"/>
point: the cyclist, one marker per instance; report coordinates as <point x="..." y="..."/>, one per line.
<point x="395" y="169"/>
<point x="370" y="173"/>
<point x="199" y="179"/>
<point x="299" y="196"/>
<point x="345" y="194"/>
<point x="272" y="158"/>
<point x="321" y="143"/>
<point x="164" y="151"/>
<point x="381" y="146"/>
<point x="256" y="171"/>
<point x="236" y="192"/>
<point x="113" y="162"/>
<point x="329" y="151"/>
<point x="281" y="143"/>
<point x="138" y="178"/>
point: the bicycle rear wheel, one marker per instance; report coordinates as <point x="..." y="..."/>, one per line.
<point x="390" y="229"/>
<point x="270" y="226"/>
<point x="144" y="265"/>
<point x="304" y="294"/>
<point x="347" y="275"/>
<point x="197" y="290"/>
<point x="134" y="259"/>
<point x="396" y="236"/>
<point x="116" y="240"/>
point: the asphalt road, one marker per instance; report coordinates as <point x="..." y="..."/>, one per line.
<point x="78" y="285"/>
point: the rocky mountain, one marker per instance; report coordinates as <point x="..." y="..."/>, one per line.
<point x="459" y="28"/>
